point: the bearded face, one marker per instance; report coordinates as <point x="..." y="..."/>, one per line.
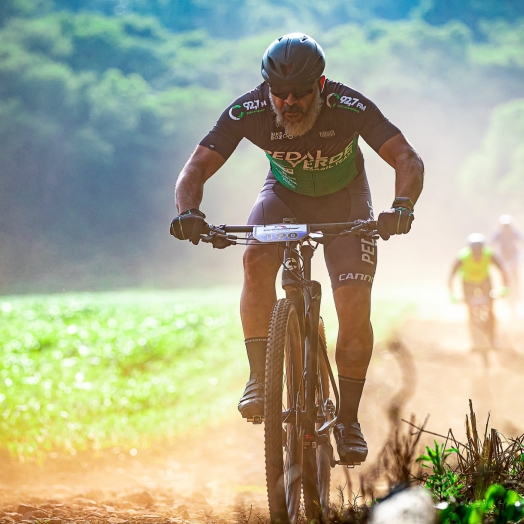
<point x="299" y="117"/>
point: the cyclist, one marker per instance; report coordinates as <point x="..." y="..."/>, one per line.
<point x="473" y="262"/>
<point x="308" y="126"/>
<point x="508" y="241"/>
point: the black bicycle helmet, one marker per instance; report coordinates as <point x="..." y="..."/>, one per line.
<point x="293" y="59"/>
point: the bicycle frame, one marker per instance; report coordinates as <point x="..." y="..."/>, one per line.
<point x="306" y="294"/>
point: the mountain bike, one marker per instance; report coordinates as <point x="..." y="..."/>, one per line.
<point x="481" y="322"/>
<point x="299" y="413"/>
<point x="481" y="317"/>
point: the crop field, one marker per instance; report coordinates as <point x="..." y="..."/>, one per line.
<point x="139" y="389"/>
<point x="85" y="371"/>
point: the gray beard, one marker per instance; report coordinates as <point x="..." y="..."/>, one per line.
<point x="308" y="120"/>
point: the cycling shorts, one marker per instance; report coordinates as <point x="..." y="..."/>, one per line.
<point x="350" y="260"/>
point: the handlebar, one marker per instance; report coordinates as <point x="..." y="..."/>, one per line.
<point x="339" y="226"/>
<point x="222" y="236"/>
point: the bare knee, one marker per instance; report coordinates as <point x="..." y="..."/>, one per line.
<point x="261" y="264"/>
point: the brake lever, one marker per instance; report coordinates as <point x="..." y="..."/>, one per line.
<point x="219" y="239"/>
<point x="363" y="228"/>
<point x="212" y="231"/>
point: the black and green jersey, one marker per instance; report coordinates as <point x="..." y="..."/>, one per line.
<point x="325" y="159"/>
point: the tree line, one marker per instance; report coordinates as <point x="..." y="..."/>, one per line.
<point x="101" y="103"/>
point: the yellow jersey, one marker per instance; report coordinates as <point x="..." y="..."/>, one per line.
<point x="473" y="270"/>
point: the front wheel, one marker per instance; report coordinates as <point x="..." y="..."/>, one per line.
<point x="284" y="402"/>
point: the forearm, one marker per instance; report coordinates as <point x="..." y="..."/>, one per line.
<point x="408" y="166"/>
<point x="452" y="274"/>
<point x="409" y="179"/>
<point x="189" y="189"/>
<point x="504" y="276"/>
<point x="500" y="266"/>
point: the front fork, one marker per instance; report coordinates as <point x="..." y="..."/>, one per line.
<point x="306" y="295"/>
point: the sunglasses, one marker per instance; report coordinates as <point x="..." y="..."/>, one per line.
<point x="283" y="92"/>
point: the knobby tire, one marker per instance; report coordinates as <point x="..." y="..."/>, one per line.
<point x="284" y="391"/>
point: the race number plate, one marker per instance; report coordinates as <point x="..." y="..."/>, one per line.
<point x="280" y="232"/>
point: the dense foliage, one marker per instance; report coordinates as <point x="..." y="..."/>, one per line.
<point x="86" y="371"/>
<point x="90" y="371"/>
<point x="240" y="18"/>
<point x="102" y="102"/>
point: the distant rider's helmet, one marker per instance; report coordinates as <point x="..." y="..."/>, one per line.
<point x="293" y="59"/>
<point x="476" y="239"/>
<point x="505" y="220"/>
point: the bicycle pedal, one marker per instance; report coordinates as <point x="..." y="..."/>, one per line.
<point x="257" y="419"/>
<point x="349" y="465"/>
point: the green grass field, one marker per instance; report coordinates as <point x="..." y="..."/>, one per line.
<point x="87" y="371"/>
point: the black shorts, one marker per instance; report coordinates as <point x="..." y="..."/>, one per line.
<point x="350" y="260"/>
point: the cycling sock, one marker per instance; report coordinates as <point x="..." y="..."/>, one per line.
<point x="350" y="393"/>
<point x="256" y="353"/>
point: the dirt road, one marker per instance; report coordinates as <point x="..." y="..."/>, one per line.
<point x="218" y="471"/>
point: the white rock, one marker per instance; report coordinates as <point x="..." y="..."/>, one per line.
<point x="409" y="506"/>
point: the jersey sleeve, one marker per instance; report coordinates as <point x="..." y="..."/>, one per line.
<point x="376" y="129"/>
<point x="226" y="133"/>
<point x="242" y="119"/>
<point x="463" y="253"/>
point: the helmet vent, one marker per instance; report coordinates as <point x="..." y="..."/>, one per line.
<point x="286" y="69"/>
<point x="288" y="46"/>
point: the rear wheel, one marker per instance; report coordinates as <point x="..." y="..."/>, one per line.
<point x="317" y="468"/>
<point x="283" y="433"/>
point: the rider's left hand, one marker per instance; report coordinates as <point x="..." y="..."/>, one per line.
<point x="395" y="221"/>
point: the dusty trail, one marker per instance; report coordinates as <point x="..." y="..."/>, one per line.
<point x="218" y="471"/>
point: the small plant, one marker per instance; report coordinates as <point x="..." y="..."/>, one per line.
<point x="444" y="482"/>
<point x="348" y="512"/>
<point x="497" y="506"/>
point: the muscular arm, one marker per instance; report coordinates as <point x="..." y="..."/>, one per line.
<point x="408" y="165"/>
<point x="496" y="262"/>
<point x="201" y="166"/>
<point x="454" y="270"/>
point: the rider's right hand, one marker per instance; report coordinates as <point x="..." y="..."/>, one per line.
<point x="189" y="225"/>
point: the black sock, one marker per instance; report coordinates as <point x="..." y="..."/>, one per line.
<point x="350" y="393"/>
<point x="256" y="353"/>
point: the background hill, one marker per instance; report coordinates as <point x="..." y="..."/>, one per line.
<point x="102" y="102"/>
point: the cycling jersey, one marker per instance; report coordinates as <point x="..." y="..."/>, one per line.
<point x="472" y="270"/>
<point x="324" y="160"/>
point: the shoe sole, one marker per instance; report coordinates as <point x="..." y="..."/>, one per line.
<point x="249" y="412"/>
<point x="353" y="458"/>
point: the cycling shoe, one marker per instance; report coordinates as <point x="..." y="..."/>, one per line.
<point x="351" y="445"/>
<point x="252" y="402"/>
